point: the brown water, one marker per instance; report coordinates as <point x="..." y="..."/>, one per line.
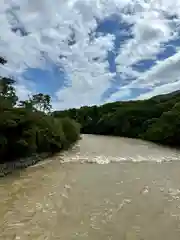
<point x="132" y="194"/>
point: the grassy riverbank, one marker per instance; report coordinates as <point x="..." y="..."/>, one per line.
<point x="156" y="119"/>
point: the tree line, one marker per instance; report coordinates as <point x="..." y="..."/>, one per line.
<point x="156" y="119"/>
<point x="28" y="127"/>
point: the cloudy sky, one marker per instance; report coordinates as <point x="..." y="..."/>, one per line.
<point x="86" y="52"/>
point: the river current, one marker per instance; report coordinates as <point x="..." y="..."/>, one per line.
<point x="104" y="188"/>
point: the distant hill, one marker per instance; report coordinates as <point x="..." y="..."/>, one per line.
<point x="156" y="119"/>
<point x="167" y="95"/>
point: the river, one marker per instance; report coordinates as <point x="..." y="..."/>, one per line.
<point x="105" y="188"/>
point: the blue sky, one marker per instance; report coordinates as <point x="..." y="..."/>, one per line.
<point x="86" y="52"/>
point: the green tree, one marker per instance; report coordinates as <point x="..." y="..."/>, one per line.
<point x="7" y="90"/>
<point x="41" y="102"/>
<point x="156" y="119"/>
<point x="28" y="129"/>
<point x="2" y="61"/>
<point x="28" y="104"/>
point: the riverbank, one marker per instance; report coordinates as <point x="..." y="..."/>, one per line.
<point x="9" y="167"/>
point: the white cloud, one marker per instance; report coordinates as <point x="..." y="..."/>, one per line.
<point x="162" y="73"/>
<point x="48" y="25"/>
<point x="48" y="28"/>
<point x="123" y="92"/>
<point x="150" y="31"/>
<point x="22" y="92"/>
<point x="24" y="89"/>
<point x="164" y="77"/>
<point x="163" y="89"/>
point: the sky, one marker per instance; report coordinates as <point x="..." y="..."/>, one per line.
<point x="87" y="52"/>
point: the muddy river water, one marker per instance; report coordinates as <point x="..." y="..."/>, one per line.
<point x="105" y="188"/>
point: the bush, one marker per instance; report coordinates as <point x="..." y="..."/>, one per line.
<point x="71" y="129"/>
<point x="24" y="133"/>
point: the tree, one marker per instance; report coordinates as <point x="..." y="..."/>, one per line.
<point x="7" y="90"/>
<point x="156" y="119"/>
<point x="2" y="61"/>
<point x="27" y="129"/>
<point x="42" y="102"/>
<point x="26" y="104"/>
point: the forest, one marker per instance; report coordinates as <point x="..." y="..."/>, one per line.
<point x="28" y="127"/>
<point x="156" y="119"/>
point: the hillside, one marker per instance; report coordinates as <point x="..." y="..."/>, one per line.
<point x="156" y="119"/>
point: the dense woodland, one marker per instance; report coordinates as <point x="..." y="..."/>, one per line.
<point x="156" y="119"/>
<point x="28" y="127"/>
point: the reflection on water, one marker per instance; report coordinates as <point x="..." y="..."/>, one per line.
<point x="132" y="198"/>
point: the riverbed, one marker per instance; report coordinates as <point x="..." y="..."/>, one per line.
<point x="104" y="188"/>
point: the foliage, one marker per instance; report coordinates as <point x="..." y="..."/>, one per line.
<point x="156" y="119"/>
<point x="38" y="102"/>
<point x="7" y="90"/>
<point x="28" y="128"/>
<point x="2" y="61"/>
